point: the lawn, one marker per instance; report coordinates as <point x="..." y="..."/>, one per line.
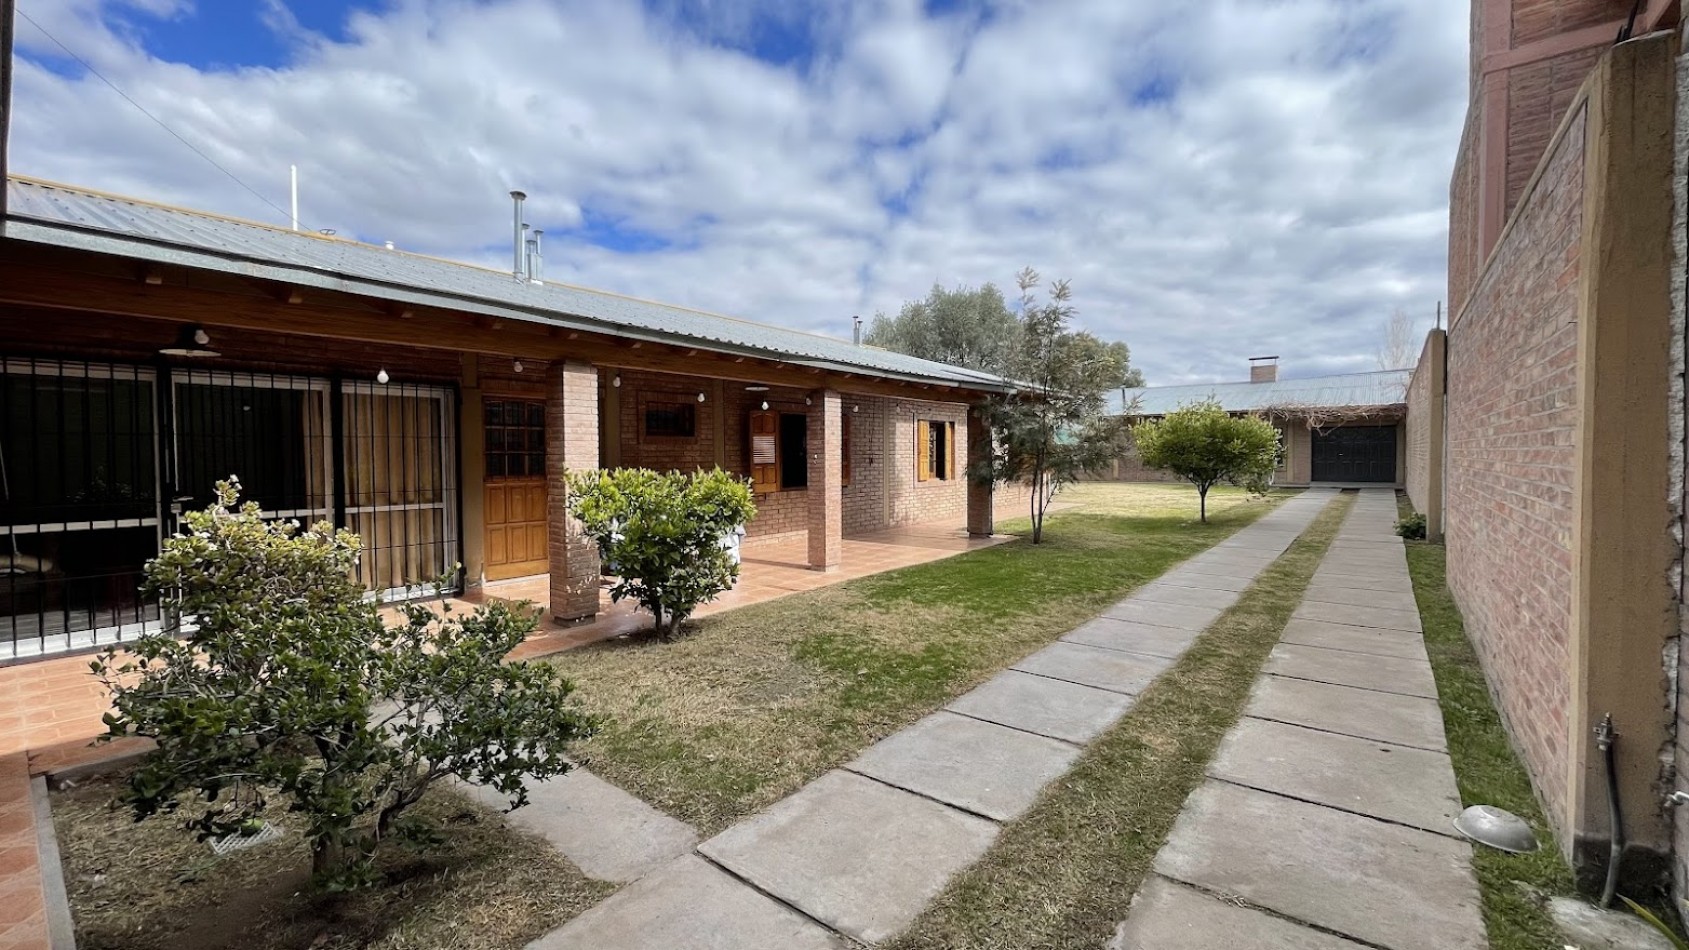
<point x="758" y="701"/>
<point x="151" y="886"/>
<point x="1063" y="874"/>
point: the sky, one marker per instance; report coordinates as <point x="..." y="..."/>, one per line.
<point x="1217" y="180"/>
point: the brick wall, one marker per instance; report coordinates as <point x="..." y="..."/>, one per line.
<point x="1466" y="256"/>
<point x="1538" y="95"/>
<point x="1423" y="434"/>
<point x="883" y="490"/>
<point x="1511" y="412"/>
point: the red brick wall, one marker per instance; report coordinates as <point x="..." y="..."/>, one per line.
<point x="1508" y="502"/>
<point x="1466" y="256"/>
<point x="883" y="491"/>
<point x="1417" y="464"/>
<point x="1538" y="96"/>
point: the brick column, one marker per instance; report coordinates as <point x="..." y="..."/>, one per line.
<point x="826" y="501"/>
<point x="982" y="520"/>
<point x="571" y="444"/>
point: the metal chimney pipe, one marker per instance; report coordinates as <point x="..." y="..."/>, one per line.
<point x="536" y="267"/>
<point x="518" y="269"/>
<point x="532" y="251"/>
<point x="856" y="330"/>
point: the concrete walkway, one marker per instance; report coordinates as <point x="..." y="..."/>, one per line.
<point x="1325" y="822"/>
<point x="858" y="853"/>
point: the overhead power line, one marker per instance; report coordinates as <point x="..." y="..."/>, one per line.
<point x="143" y="110"/>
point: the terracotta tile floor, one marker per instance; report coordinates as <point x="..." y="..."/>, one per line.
<point x="50" y="709"/>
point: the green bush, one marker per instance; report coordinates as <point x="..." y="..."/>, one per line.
<point x="1412" y="527"/>
<point x="1205" y="445"/>
<point x="278" y="677"/>
<point x="664" y="534"/>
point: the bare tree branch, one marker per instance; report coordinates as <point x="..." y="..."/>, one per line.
<point x="1400" y="348"/>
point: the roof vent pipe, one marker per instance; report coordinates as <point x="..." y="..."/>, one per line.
<point x="518" y="268"/>
<point x="532" y="248"/>
<point x="856" y="330"/>
<point x="536" y="264"/>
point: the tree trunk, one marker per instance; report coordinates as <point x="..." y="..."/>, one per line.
<point x="1202" y="494"/>
<point x="327" y="857"/>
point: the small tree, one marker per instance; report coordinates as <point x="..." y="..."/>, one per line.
<point x="1205" y="445"/>
<point x="278" y="677"/>
<point x="664" y="534"/>
<point x="1055" y="431"/>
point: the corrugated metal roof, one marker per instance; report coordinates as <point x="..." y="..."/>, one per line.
<point x="66" y="216"/>
<point x="1384" y="388"/>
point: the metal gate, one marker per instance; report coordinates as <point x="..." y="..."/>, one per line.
<point x="98" y="460"/>
<point x="1355" y="454"/>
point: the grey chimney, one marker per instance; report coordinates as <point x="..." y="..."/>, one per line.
<point x="536" y="263"/>
<point x="519" y="268"/>
<point x="1263" y="369"/>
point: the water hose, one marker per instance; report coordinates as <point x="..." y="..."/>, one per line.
<point x="1605" y="739"/>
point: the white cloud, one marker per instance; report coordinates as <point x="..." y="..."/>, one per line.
<point x="1218" y="180"/>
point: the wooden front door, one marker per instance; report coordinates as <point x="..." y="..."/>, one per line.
<point x="515" y="489"/>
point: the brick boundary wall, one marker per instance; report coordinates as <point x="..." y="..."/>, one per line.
<point x="1512" y="409"/>
<point x="1425" y="437"/>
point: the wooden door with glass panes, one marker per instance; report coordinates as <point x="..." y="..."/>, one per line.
<point x="515" y="489"/>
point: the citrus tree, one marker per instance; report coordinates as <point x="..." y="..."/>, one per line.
<point x="1206" y="445"/>
<point x="278" y="679"/>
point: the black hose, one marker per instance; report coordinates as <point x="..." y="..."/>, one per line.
<point x="1605" y="740"/>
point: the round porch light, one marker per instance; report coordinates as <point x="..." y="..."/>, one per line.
<point x="700" y="397"/>
<point x="617" y="382"/>
<point x="765" y="405"/>
<point x="516" y="366"/>
<point x="192" y="342"/>
<point x="382" y="377"/>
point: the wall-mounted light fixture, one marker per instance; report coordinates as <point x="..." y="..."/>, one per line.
<point x="516" y="365"/>
<point x="617" y="382"/>
<point x="855" y="408"/>
<point x="808" y="401"/>
<point x="700" y="397"/>
<point x="382" y="377"/>
<point x="193" y="342"/>
<point x="765" y="405"/>
<point x="756" y="388"/>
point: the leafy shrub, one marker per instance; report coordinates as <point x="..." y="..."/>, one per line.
<point x="664" y="533"/>
<point x="278" y="676"/>
<point x="1411" y="527"/>
<point x="1205" y="445"/>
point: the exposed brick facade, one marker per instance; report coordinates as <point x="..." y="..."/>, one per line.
<point x="1512" y="408"/>
<point x="571" y="445"/>
<point x="825" y="444"/>
<point x="883" y="491"/>
<point x="1424" y="433"/>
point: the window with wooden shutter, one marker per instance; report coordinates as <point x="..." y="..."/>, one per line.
<point x="844" y="453"/>
<point x="923" y="450"/>
<point x="764" y="428"/>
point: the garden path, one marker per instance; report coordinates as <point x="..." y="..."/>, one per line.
<point x="860" y="851"/>
<point x="1326" y="819"/>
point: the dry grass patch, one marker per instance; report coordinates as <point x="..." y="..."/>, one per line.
<point x="151" y="886"/>
<point x="1063" y="875"/>
<point x="758" y="701"/>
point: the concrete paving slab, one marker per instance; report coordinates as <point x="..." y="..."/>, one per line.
<point x="1054" y="708"/>
<point x="1338" y="576"/>
<point x="1169" y="916"/>
<point x="1222" y="570"/>
<point x="1239" y="561"/>
<point x="861" y="857"/>
<point x="1396" y="783"/>
<point x="1133" y="637"/>
<point x="1395" y="887"/>
<point x="1163" y="615"/>
<point x="1377" y="641"/>
<point x="1366" y="713"/>
<point x="689" y="904"/>
<point x="982" y="767"/>
<point x="607" y="833"/>
<point x="1359" y="616"/>
<point x="1179" y="577"/>
<point x="1095" y="666"/>
<point x="1351" y="559"/>
<point x="1345" y="668"/>
<point x="1357" y="597"/>
<point x="1159" y="593"/>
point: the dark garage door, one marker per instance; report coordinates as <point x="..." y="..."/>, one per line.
<point x="1355" y="454"/>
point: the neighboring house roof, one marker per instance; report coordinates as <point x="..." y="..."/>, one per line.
<point x="1350" y="390"/>
<point x="66" y="216"/>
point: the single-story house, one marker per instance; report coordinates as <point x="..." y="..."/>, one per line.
<point x="1335" y="430"/>
<point x="428" y="405"/>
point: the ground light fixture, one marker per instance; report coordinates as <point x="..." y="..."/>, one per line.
<point x="1497" y="828"/>
<point x="192" y="341"/>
